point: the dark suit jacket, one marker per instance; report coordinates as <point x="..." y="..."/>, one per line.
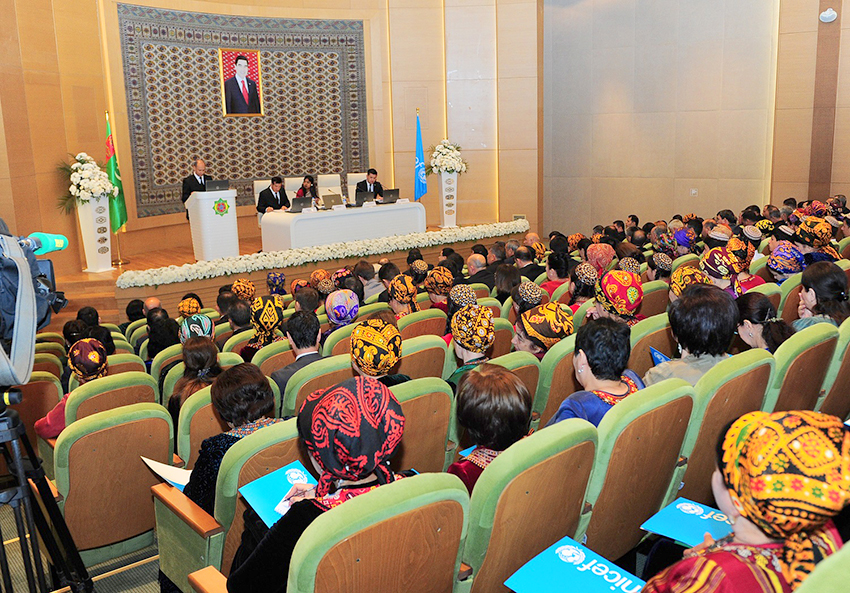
<point x="492" y="267"/>
<point x="234" y="102"/>
<point x="267" y="199"/>
<point x="481" y="277"/>
<point x="379" y="189"/>
<point x="531" y="271"/>
<point x="282" y="376"/>
<point x="191" y="184"/>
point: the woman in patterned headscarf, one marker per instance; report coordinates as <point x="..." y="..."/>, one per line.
<point x="418" y="271"/>
<point x="200" y="368"/>
<point x="573" y="241"/>
<point x="683" y="277"/>
<point x="266" y="315"/>
<point x="600" y="256"/>
<point x="460" y="296"/>
<point x="297" y="285"/>
<point x="583" y="281"/>
<point x="341" y="307"/>
<point x="473" y="334"/>
<point x="541" y="328"/>
<point x="659" y="267"/>
<point x="244" y="289"/>
<point x="784" y="261"/>
<point x="188" y="307"/>
<point x="351" y="431"/>
<point x="685" y="239"/>
<point x="629" y="264"/>
<point x="375" y="350"/>
<point x="316" y="276"/>
<point x="524" y="297"/>
<point x="741" y="253"/>
<point x="197" y="326"/>
<point x="402" y="295"/>
<point x="780" y="479"/>
<point x="813" y="240"/>
<point x="88" y="361"/>
<point x="618" y="295"/>
<point x="438" y="285"/>
<point x="720" y="266"/>
<point x="276" y="283"/>
<point x="339" y="276"/>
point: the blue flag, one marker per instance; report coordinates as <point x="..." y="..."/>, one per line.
<point x="420" y="185"/>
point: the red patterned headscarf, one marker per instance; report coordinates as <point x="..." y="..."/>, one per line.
<point x="298" y="285"/>
<point x="87" y="359"/>
<point x="600" y="255"/>
<point x="788" y="473"/>
<point x="719" y="263"/>
<point x="620" y="293"/>
<point x="351" y="430"/>
<point x="316" y="276"/>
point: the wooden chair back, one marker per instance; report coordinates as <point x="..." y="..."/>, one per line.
<point x="427" y="362"/>
<point x="40" y="395"/>
<point x="205" y="423"/>
<point x="661" y="339"/>
<point x="115" y="398"/>
<point x="426" y="424"/>
<point x="342" y="347"/>
<point x="837" y="400"/>
<point x="654" y="303"/>
<point x="502" y="343"/>
<point x="789" y="307"/>
<point x="126" y="367"/>
<point x="277" y="361"/>
<point x="433" y="326"/>
<point x="764" y="273"/>
<point x="564" y="384"/>
<point x="48" y="363"/>
<point x="803" y="380"/>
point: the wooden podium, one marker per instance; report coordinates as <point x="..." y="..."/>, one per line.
<point x="212" y="218"/>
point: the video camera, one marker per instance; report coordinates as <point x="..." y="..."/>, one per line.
<point x="28" y="297"/>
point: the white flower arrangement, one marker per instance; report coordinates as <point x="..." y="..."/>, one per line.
<point x="88" y="181"/>
<point x="297" y="257"/>
<point x="445" y="158"/>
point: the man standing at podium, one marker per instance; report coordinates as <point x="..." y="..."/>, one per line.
<point x="273" y="197"/>
<point x="197" y="181"/>
<point x="372" y="185"/>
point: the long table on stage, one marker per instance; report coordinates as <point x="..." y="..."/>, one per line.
<point x="284" y="230"/>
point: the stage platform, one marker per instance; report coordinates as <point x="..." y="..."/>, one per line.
<point x="100" y="291"/>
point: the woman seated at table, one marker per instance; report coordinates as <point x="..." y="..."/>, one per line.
<point x="779" y="534"/>
<point x="494" y="407"/>
<point x="351" y="448"/>
<point x="308" y="189"/>
<point x="602" y="351"/>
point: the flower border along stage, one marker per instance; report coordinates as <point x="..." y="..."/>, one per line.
<point x="298" y="257"/>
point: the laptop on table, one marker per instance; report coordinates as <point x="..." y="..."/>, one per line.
<point x="363" y="196"/>
<point x="217" y="185"/>
<point x="331" y="199"/>
<point x="390" y="196"/>
<point x="298" y="204"/>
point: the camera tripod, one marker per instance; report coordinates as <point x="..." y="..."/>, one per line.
<point x="67" y="568"/>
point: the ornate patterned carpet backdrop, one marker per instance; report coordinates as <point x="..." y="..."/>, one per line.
<point x="313" y="90"/>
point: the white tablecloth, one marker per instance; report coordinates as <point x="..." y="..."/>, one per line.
<point x="282" y="230"/>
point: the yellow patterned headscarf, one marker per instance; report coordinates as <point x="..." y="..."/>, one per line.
<point x="573" y="240"/>
<point x="439" y="281"/>
<point x="539" y="249"/>
<point x="548" y="324"/>
<point x="266" y="314"/>
<point x="188" y="307"/>
<point x="788" y="473"/>
<point x="375" y="346"/>
<point x="87" y="359"/>
<point x="817" y="233"/>
<point x="403" y="290"/>
<point x="243" y="288"/>
<point x="740" y="254"/>
<point x="620" y="293"/>
<point x="472" y="328"/>
<point x="684" y="276"/>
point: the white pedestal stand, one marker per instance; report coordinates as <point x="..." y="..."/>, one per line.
<point x="94" y="228"/>
<point x="448" y="199"/>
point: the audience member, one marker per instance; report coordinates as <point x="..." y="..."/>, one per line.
<point x="276" y="283"/>
<point x="244" y="289"/>
<point x="583" y="280"/>
<point x="266" y="316"/>
<point x="188" y="307"/>
<point x="717" y="263"/>
<point x="495" y="257"/>
<point x="151" y="303"/>
<point x="375" y="350"/>
<point x="418" y="271"/>
<point x="438" y="285"/>
<point x="525" y="263"/>
<point x="89" y="316"/>
<point x="813" y="240"/>
<point x="506" y="278"/>
<point x="683" y="277"/>
<point x="703" y="320"/>
<point x="659" y="267"/>
<point x="240" y="321"/>
<point x="784" y="261"/>
<point x="73" y="331"/>
<point x="541" y="328"/>
<point x="135" y="310"/>
<point x="473" y="334"/>
<point x="602" y="351"/>
<point x="302" y="333"/>
<point x="163" y="333"/>
<point x="341" y="307"/>
<point x="200" y="360"/>
<point x="618" y="296"/>
<point x="402" y="296"/>
<point x="365" y="272"/>
<point x="104" y="336"/>
<point x="223" y="302"/>
<point x="494" y="407"/>
<point x="759" y="325"/>
<point x="510" y="251"/>
<point x="600" y="256"/>
<point x="460" y="296"/>
<point x="478" y="273"/>
<point x="557" y="271"/>
<point x="307" y="299"/>
<point x="823" y="296"/>
<point x="525" y="297"/>
<point x="386" y="274"/>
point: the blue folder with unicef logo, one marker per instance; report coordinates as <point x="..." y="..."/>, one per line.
<point x="569" y="566"/>
<point x="687" y="521"/>
<point x="266" y="493"/>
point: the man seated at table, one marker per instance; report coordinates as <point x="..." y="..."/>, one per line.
<point x="372" y="185"/>
<point x="273" y="197"/>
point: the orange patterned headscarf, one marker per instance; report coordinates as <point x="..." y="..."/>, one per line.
<point x="600" y="255"/>
<point x="573" y="240"/>
<point x="788" y="473"/>
<point x="316" y="276"/>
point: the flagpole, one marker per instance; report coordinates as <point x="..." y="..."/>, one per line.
<point x="118" y="261"/>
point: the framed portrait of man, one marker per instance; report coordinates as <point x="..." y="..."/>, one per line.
<point x="241" y="82"/>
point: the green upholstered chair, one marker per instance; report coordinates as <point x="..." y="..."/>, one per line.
<point x="118" y="363"/>
<point x="790" y="298"/>
<point x="123" y="347"/>
<point x="640" y="442"/>
<point x="235" y="343"/>
<point x="655" y="299"/>
<point x="757" y="264"/>
<point x="557" y="381"/>
<point x="541" y="278"/>
<point x="422" y="356"/>
<point x="164" y="360"/>
<point x="494" y="304"/>
<point x="772" y="291"/>
<point x="526" y="499"/>
<point x="844" y="245"/>
<point x="54" y="337"/>
<point x="190" y="539"/>
<point x="117" y="336"/>
<point x="103" y="483"/>
<point x="732" y="388"/>
<point x="223" y="331"/>
<point x="139" y="334"/>
<point x="40" y="395"/>
<point x="524" y="365"/>
<point x="317" y="375"/>
<point x="562" y="292"/>
<point x="482" y="291"/>
<point x="504" y="334"/>
<point x="430" y="322"/>
<point x="225" y="361"/>
<point x="424" y="301"/>
<point x="764" y="246"/>
<point x="367" y="310"/>
<point x="52" y="348"/>
<point x="134" y="325"/>
<point x="48" y="363"/>
<point x="143" y="350"/>
<point x="830" y="575"/>
<point x="801" y="364"/>
<point x="273" y="357"/>
<point x="581" y="313"/>
<point x="430" y="428"/>
<point x="339" y="340"/>
<point x="372" y="299"/>
<point x="835" y="395"/>
<point x="654" y="332"/>
<point x="111" y="327"/>
<point x="685" y="260"/>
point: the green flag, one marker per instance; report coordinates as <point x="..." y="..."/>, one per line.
<point x="117" y="208"/>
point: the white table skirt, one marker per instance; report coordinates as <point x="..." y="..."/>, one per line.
<point x="282" y="230"/>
